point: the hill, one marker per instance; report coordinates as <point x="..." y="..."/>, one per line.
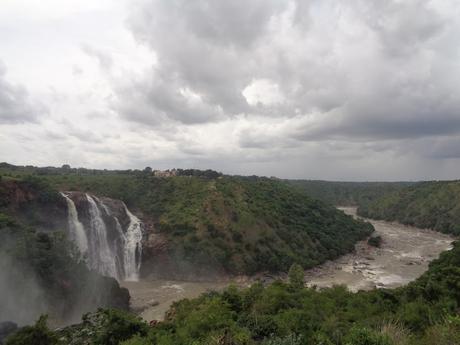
<point x="222" y="224"/>
<point x="434" y="205"/>
<point x="347" y="193"/>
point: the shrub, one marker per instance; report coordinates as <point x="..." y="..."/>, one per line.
<point x="296" y="276"/>
<point x="365" y="336"/>
<point x="38" y="334"/>
<point x="120" y="326"/>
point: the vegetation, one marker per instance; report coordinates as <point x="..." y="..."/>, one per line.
<point x="433" y="205"/>
<point x="423" y="313"/>
<point x="39" y="334"/>
<point x="240" y="224"/>
<point x="347" y="193"/>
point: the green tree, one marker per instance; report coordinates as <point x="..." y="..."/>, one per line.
<point x="296" y="276"/>
<point x="365" y="336"/>
<point x="39" y="334"/>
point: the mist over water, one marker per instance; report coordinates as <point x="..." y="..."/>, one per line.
<point x="22" y="299"/>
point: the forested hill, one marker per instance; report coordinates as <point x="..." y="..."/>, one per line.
<point x="434" y="205"/>
<point x="347" y="193"/>
<point x="233" y="224"/>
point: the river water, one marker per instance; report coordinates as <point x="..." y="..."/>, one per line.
<point x="403" y="256"/>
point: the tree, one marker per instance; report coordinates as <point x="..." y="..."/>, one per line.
<point x="39" y="334"/>
<point x="296" y="276"/>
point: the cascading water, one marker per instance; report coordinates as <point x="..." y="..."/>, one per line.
<point x="108" y="248"/>
<point x="102" y="257"/>
<point x="77" y="231"/>
<point x="133" y="247"/>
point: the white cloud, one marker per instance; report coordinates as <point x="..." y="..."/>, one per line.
<point x="282" y="87"/>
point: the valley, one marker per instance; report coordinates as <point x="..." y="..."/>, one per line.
<point x="404" y="255"/>
<point x="133" y="258"/>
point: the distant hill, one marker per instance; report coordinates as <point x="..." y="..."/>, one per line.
<point x="223" y="223"/>
<point x="434" y="205"/>
<point x="347" y="193"/>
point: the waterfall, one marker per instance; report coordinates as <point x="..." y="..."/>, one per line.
<point x="77" y="231"/>
<point x="102" y="257"/>
<point x="109" y="248"/>
<point x="133" y="247"/>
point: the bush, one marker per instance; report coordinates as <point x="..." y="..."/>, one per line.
<point x="296" y="276"/>
<point x="120" y="326"/>
<point x="39" y="334"/>
<point x="447" y="333"/>
<point x="365" y="336"/>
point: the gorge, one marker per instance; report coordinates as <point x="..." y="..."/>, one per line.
<point x="208" y="248"/>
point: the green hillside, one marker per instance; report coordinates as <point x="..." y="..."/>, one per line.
<point x="347" y="193"/>
<point x="242" y="224"/>
<point x="434" y="205"/>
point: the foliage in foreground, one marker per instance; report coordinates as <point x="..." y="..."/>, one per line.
<point x="423" y="313"/>
<point x="38" y="334"/>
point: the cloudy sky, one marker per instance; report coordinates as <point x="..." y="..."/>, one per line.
<point x="330" y="89"/>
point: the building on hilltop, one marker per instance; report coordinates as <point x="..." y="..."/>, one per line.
<point x="165" y="173"/>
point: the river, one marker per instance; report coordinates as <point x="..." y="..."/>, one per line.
<point x="403" y="256"/>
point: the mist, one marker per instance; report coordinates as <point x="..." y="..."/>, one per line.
<point x="22" y="299"/>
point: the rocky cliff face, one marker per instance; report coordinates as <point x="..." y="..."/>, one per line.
<point x="32" y="205"/>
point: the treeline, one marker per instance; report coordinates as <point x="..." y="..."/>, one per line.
<point x="434" y="205"/>
<point x="233" y="224"/>
<point x="285" y="313"/>
<point x="19" y="171"/>
<point x="347" y="193"/>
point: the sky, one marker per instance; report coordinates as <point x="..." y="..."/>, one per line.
<point x="317" y="89"/>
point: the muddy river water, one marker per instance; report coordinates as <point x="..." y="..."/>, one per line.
<point x="403" y="256"/>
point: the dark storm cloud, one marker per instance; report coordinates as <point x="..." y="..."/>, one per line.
<point x="201" y="47"/>
<point x="15" y="103"/>
<point x="366" y="69"/>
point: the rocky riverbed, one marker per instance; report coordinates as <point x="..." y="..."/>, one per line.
<point x="404" y="255"/>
